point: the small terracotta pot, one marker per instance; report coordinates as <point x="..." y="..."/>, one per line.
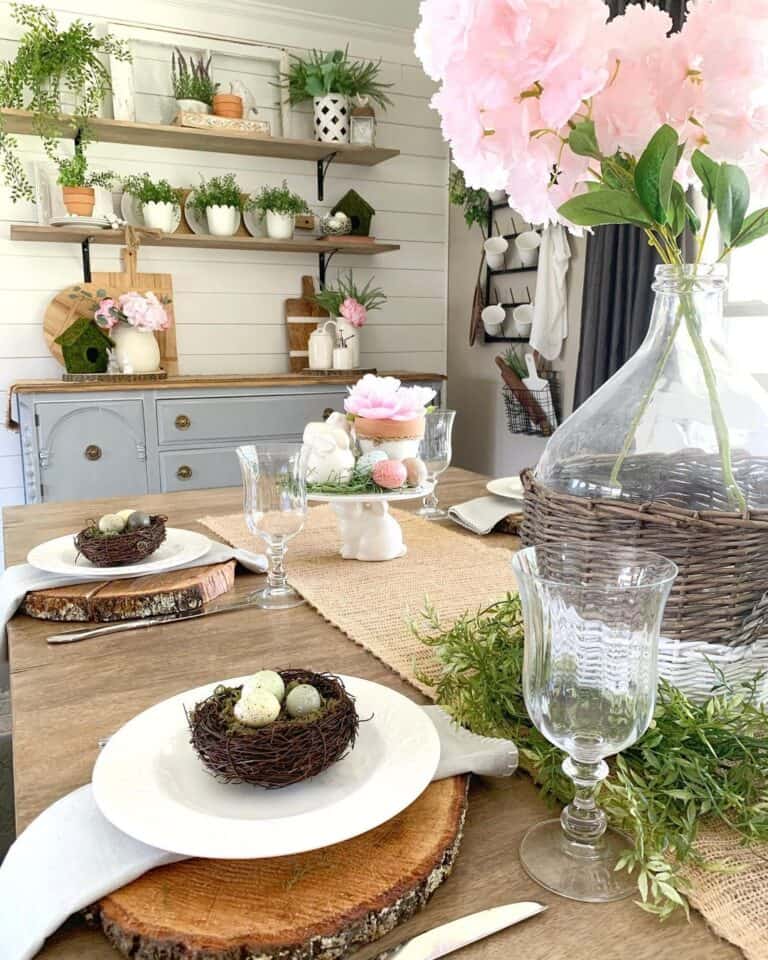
<point x="79" y="200"/>
<point x="228" y="105"/>
<point x="390" y="429"/>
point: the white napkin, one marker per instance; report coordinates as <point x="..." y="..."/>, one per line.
<point x="483" y="513"/>
<point x="71" y="855"/>
<point x="17" y="581"/>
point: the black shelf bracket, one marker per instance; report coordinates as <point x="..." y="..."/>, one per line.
<point x="323" y="260"/>
<point x="322" y="170"/>
<point x="85" y="246"/>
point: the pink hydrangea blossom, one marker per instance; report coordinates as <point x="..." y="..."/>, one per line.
<point x="107" y="315"/>
<point x="144" y="311"/>
<point x="385" y="398"/>
<point x="353" y="312"/>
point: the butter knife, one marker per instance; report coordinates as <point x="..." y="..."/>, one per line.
<point x="458" y="933"/>
<point x="208" y="610"/>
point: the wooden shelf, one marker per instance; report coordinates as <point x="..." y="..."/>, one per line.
<point x="188" y="138"/>
<point x="39" y="234"/>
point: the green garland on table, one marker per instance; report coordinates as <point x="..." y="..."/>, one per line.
<point x="697" y="760"/>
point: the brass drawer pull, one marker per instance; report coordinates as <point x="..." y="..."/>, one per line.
<point x="182" y="422"/>
<point x="184" y="472"/>
<point x="92" y="452"/>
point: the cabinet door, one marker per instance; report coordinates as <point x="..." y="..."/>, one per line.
<point x="91" y="449"/>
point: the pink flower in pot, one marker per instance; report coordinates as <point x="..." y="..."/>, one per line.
<point x="354" y="312"/>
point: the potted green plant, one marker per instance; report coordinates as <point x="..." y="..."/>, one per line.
<point x="278" y="207"/>
<point x="50" y="63"/>
<point x="475" y="202"/>
<point x="158" y="200"/>
<point x="329" y="80"/>
<point x="220" y="201"/>
<point x="193" y="86"/>
<point x="77" y="183"/>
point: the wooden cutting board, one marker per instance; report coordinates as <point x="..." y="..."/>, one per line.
<point x="73" y="302"/>
<point x="302" y="316"/>
<point x="161" y="594"/>
<point x="317" y="904"/>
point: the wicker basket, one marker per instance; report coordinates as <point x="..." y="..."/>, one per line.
<point x="284" y="752"/>
<point x="721" y="594"/>
<point x="123" y="549"/>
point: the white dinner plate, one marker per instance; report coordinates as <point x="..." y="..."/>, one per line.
<point x="149" y="782"/>
<point x="253" y="223"/>
<point x="511" y="487"/>
<point x="60" y="556"/>
<point x="132" y="213"/>
<point x="101" y="223"/>
<point x="196" y="221"/>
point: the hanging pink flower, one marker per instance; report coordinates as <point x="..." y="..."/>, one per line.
<point x="384" y="398"/>
<point x="144" y="311"/>
<point x="354" y="312"/>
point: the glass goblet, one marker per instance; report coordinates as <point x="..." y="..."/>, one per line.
<point x="435" y="451"/>
<point x="592" y="616"/>
<point x="275" y="506"/>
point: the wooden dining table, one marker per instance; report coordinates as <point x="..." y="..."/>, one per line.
<point x="66" y="698"/>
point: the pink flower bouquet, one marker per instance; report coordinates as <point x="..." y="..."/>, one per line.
<point x="387" y="415"/>
<point x="354" y="312"/>
<point x="143" y="311"/>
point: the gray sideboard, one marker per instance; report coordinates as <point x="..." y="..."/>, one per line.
<point x="85" y="442"/>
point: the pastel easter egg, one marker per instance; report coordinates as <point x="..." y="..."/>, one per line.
<point x="302" y="700"/>
<point x="265" y="680"/>
<point x="137" y="520"/>
<point x="365" y="464"/>
<point x="125" y="513"/>
<point x="389" y="474"/>
<point x="257" y="708"/>
<point x="416" y="471"/>
<point x="111" y="523"/>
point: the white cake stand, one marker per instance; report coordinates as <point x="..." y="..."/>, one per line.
<point x="368" y="530"/>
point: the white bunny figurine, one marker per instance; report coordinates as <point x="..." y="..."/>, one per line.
<point x="329" y="457"/>
<point x="379" y="534"/>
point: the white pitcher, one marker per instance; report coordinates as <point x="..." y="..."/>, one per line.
<point x="321" y="344"/>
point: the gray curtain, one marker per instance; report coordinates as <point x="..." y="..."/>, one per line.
<point x="617" y="299"/>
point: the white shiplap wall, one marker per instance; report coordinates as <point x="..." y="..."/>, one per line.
<point x="229" y="305"/>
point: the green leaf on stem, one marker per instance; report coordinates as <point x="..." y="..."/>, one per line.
<point x="678" y="213"/>
<point x="655" y="172"/>
<point x="707" y="171"/>
<point x="583" y="141"/>
<point x="731" y="200"/>
<point x="693" y="219"/>
<point x="754" y="227"/>
<point x="599" y="207"/>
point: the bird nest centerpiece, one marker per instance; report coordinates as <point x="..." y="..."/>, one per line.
<point x="117" y="540"/>
<point x="278" y="728"/>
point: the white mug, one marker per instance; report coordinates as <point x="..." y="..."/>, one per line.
<point x="495" y="252"/>
<point x="493" y="320"/>
<point x="528" y="244"/>
<point x="522" y="318"/>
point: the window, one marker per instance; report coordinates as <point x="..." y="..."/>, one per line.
<point x="747" y="308"/>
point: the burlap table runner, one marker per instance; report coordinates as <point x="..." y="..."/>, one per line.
<point x="372" y="603"/>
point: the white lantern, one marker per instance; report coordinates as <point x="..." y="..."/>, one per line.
<point x="362" y="123"/>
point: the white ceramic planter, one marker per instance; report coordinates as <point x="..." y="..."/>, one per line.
<point x="332" y="118"/>
<point x="193" y="106"/>
<point x="496" y="252"/>
<point x="222" y="221"/>
<point x="351" y="337"/>
<point x="137" y="351"/>
<point x="159" y="216"/>
<point x="493" y="320"/>
<point x="527" y="245"/>
<point x="280" y="226"/>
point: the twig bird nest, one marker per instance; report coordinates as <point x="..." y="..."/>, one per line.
<point x="286" y="751"/>
<point x="120" y="549"/>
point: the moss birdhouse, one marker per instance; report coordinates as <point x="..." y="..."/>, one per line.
<point x="85" y="346"/>
<point x="359" y="211"/>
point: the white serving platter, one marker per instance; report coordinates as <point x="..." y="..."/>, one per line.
<point x="60" y="556"/>
<point x="149" y="782"/>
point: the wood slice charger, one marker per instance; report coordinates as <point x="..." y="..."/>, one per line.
<point x="310" y="905"/>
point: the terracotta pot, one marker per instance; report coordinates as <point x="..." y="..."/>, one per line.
<point x="397" y="438"/>
<point x="79" y="200"/>
<point x="228" y="105"/>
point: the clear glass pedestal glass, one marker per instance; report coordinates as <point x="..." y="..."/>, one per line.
<point x="681" y="422"/>
<point x="275" y="507"/>
<point x="592" y="615"/>
<point x="435" y="450"/>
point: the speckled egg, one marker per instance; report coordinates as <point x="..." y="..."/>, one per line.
<point x="365" y="464"/>
<point x="302" y="700"/>
<point x="124" y="514"/>
<point x="416" y="471"/>
<point x="265" y="680"/>
<point x="390" y="474"/>
<point x="257" y="708"/>
<point x="111" y="523"/>
<point x="137" y="520"/>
